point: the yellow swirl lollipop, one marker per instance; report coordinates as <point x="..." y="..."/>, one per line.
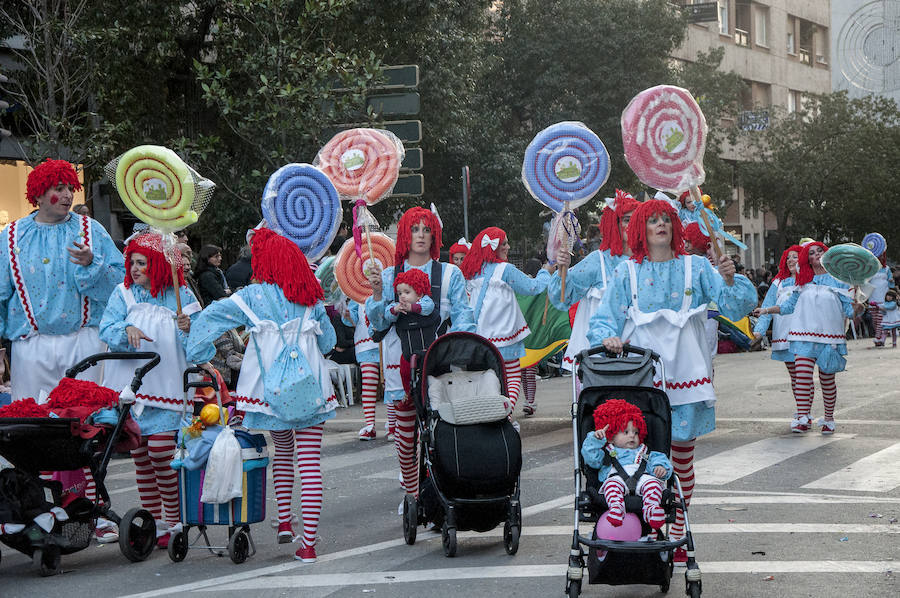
<point x="157" y="187"/>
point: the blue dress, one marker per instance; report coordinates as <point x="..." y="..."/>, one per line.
<point x="762" y="323"/>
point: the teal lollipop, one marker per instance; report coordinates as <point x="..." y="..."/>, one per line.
<point x="850" y="263"/>
<point x="325" y="274"/>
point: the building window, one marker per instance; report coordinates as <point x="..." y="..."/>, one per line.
<point x="723" y="17"/>
<point x="820" y="41"/>
<point x="792" y="101"/>
<point x="806" y="42"/>
<point x="791" y="37"/>
<point x="761" y="30"/>
<point x="742" y="24"/>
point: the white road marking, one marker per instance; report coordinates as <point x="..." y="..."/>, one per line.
<point x="527" y="571"/>
<point x="727" y="466"/>
<point x="875" y="473"/>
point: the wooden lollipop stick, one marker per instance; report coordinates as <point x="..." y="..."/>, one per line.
<point x="713" y="239"/>
<point x="176" y="286"/>
<point x="546" y="307"/>
<point x="564" y="269"/>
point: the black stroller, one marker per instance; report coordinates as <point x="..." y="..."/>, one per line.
<point x="616" y="562"/>
<point x="468" y="474"/>
<point x="39" y="444"/>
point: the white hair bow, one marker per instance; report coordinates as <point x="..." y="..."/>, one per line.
<point x="494" y="243"/>
<point x="462" y="241"/>
<point x="610" y="203"/>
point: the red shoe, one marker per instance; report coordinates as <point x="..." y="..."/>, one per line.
<point x="680" y="557"/>
<point x="163" y="541"/>
<point x="528" y="410"/>
<point x="307" y="554"/>
<point x="390" y="433"/>
<point x="800" y="424"/>
<point x="367" y="433"/>
<point x="285" y="533"/>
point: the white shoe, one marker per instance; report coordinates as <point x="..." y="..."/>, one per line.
<point x="106" y="531"/>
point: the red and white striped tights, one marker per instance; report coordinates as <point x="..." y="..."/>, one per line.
<point x="513" y="380"/>
<point x="683" y="464"/>
<point x="157" y="482"/>
<point x="529" y="383"/>
<point x="405" y="443"/>
<point x="877" y="317"/>
<point x="369" y="374"/>
<point x="308" y="446"/>
<point x="391" y="416"/>
<point x="806" y="390"/>
<point x="792" y="372"/>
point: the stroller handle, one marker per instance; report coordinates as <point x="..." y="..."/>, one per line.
<point x="213" y="383"/>
<point x="139" y="373"/>
<point x="626" y="349"/>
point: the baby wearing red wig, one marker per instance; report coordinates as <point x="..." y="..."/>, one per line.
<point x="620" y="427"/>
<point x="412" y="309"/>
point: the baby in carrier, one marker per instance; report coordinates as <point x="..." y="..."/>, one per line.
<point x="413" y="317"/>
<point x="615" y="449"/>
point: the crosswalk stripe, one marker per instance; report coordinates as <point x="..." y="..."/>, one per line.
<point x="362" y="578"/>
<point x="875" y="473"/>
<point x="728" y="466"/>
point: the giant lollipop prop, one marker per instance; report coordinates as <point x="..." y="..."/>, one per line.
<point x="160" y="189"/>
<point x="325" y="274"/>
<point x="299" y="202"/>
<point x="364" y="165"/>
<point x="875" y="243"/>
<point x="852" y="264"/>
<point x="664" y="136"/>
<point x="350" y="268"/>
<point x="565" y="165"/>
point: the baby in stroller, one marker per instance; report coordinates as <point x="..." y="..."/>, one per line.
<point x="616" y="450"/>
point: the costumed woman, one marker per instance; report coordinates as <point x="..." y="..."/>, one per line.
<point x="141" y="316"/>
<point x="657" y="300"/>
<point x="819" y="305"/>
<point x="882" y="281"/>
<point x="781" y="288"/>
<point x="418" y="246"/>
<point x="284" y="302"/>
<point x="458" y="251"/>
<point x="493" y="285"/>
<point x="587" y="280"/>
<point x="367" y="357"/>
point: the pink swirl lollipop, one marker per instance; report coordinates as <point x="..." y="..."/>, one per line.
<point x="362" y="163"/>
<point x="664" y="135"/>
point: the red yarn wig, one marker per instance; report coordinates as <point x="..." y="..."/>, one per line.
<point x="410" y="218"/>
<point x="617" y="413"/>
<point x="698" y="240"/>
<point x="415" y="278"/>
<point x="159" y="271"/>
<point x="478" y="255"/>
<point x="610" y="222"/>
<point x="637" y="228"/>
<point x="277" y="260"/>
<point x="46" y="176"/>
<point x="806" y="273"/>
<point x="457" y="248"/>
<point x="783" y="271"/>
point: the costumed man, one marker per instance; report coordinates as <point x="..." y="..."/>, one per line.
<point x="587" y="280"/>
<point x="59" y="273"/>
<point x="781" y="288"/>
<point x="418" y="246"/>
<point x="658" y="300"/>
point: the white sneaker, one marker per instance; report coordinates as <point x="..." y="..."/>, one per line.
<point x="106" y="531"/>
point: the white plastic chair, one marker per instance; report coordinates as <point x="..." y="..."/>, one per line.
<point x="342" y="379"/>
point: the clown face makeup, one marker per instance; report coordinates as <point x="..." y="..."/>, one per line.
<point x="54" y="203"/>
<point x="138" y="270"/>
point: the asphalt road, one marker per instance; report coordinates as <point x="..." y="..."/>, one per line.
<point x="774" y="513"/>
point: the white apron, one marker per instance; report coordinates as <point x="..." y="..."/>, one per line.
<point x="781" y="325"/>
<point x="391" y="353"/>
<point x="818" y="316"/>
<point x="162" y="387"/>
<point x="881" y="283"/>
<point x="891" y="319"/>
<point x="250" y="393"/>
<point x="362" y="342"/>
<point x="498" y="317"/>
<point x="588" y="305"/>
<point x="41" y="360"/>
<point x="679" y="339"/>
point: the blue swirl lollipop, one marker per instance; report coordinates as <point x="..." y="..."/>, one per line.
<point x="565" y="162"/>
<point x="300" y="203"/>
<point x="875" y="243"/>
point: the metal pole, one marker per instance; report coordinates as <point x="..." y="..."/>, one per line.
<point x="465" y="197"/>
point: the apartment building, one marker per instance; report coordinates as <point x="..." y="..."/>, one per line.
<point x="782" y="49"/>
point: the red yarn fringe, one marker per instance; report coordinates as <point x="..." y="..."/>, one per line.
<point x="277" y="260"/>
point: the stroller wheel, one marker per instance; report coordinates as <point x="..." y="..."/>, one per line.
<point x="511" y="538"/>
<point x="448" y="539"/>
<point x="239" y="546"/>
<point x="47" y="560"/>
<point x="410" y="518"/>
<point x="573" y="589"/>
<point x="693" y="589"/>
<point x="178" y="547"/>
<point x="137" y="535"/>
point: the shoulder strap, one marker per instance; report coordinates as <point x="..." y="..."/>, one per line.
<point x="479" y="302"/>
<point x="688" y="280"/>
<point x="633" y="276"/>
<point x="603" y="268"/>
<point x="127" y="295"/>
<point x="239" y="301"/>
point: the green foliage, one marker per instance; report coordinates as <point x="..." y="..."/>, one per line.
<point x="827" y="171"/>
